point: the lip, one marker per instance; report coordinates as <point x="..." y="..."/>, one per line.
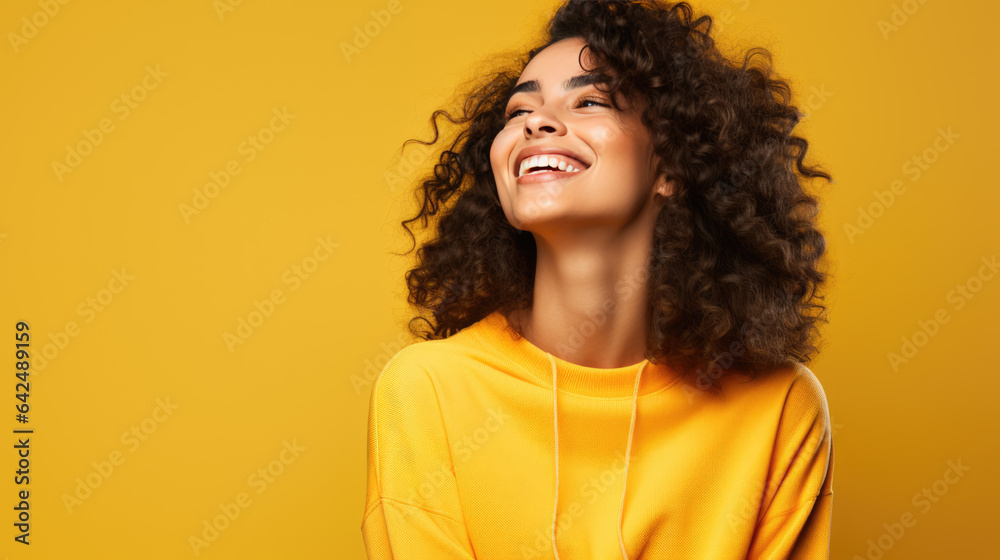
<point x="552" y="150"/>
<point x="545" y="176"/>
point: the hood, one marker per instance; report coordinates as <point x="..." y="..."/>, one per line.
<point x="628" y="454"/>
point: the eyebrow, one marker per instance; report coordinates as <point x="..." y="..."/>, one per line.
<point x="582" y="80"/>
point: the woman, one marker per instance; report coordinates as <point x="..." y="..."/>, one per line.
<point x="622" y="294"/>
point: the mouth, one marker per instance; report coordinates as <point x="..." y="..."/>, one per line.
<point x="547" y="167"/>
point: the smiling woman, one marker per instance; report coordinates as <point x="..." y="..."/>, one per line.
<point x="626" y="262"/>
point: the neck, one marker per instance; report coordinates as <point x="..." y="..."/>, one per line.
<point x="590" y="297"/>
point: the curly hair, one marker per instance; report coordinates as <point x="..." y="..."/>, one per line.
<point x="735" y="267"/>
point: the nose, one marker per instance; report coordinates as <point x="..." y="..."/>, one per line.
<point x="541" y="122"/>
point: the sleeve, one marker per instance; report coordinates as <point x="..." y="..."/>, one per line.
<point x="412" y="509"/>
<point x="798" y="501"/>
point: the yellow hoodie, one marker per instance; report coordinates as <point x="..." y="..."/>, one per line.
<point x="484" y="446"/>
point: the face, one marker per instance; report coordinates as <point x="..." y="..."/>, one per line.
<point x="586" y="163"/>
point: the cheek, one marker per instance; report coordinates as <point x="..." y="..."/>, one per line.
<point x="614" y="147"/>
<point x="632" y="153"/>
<point x="500" y="152"/>
<point x="600" y="138"/>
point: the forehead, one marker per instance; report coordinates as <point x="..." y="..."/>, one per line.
<point x="558" y="59"/>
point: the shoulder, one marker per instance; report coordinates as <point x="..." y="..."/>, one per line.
<point x="789" y="393"/>
<point x="805" y="395"/>
<point x="417" y="369"/>
<point x="788" y="380"/>
<point x="803" y="420"/>
<point x="405" y="372"/>
<point x="404" y="398"/>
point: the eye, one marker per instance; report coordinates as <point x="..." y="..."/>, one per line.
<point x="601" y="102"/>
<point x="513" y="113"/>
<point x="596" y="100"/>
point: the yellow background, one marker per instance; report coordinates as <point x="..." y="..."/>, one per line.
<point x="303" y="375"/>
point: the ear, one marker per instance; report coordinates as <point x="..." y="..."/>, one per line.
<point x="664" y="187"/>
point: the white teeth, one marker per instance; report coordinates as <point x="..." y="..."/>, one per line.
<point x="545" y="161"/>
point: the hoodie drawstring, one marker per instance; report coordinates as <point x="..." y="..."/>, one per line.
<point x="628" y="454"/>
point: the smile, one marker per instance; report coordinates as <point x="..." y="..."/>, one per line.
<point x="545" y="165"/>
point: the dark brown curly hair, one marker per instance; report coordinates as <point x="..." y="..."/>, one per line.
<point x="734" y="275"/>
